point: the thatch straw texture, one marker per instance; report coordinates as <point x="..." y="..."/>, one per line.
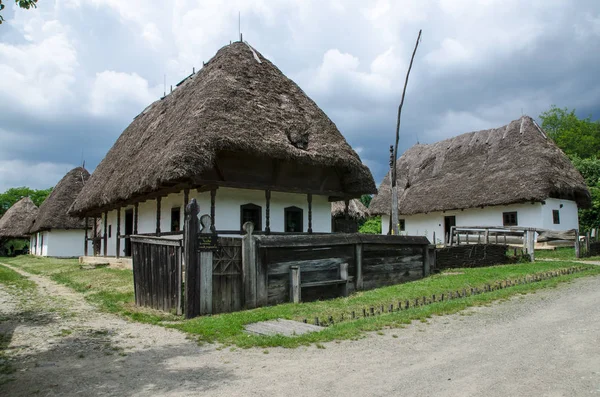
<point x="240" y="102"/>
<point x="53" y="211"/>
<point x="15" y="223"/>
<point x="356" y="209"/>
<point x="512" y="164"/>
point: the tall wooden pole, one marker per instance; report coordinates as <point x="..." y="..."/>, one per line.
<point x="394" y="218"/>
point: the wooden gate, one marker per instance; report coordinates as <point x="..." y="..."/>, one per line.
<point x="157" y="272"/>
<point x="227" y="275"/>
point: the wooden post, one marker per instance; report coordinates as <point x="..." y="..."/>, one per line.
<point x="346" y="204"/>
<point x="525" y="240"/>
<point x="105" y="239"/>
<point x="587" y="243"/>
<point x="344" y="276"/>
<point x="118" y="242"/>
<point x="267" y="212"/>
<point x="577" y="247"/>
<point x="186" y="200"/>
<point x="358" y="256"/>
<point x="213" y="196"/>
<point x="434" y="242"/>
<point x="487" y="236"/>
<point x="85" y="242"/>
<point x="192" y="274"/>
<point x="295" y="294"/>
<point x="158" y="199"/>
<point x="206" y="270"/>
<point x="531" y="244"/>
<point x="309" y="199"/>
<point x="426" y="260"/>
<point x="135" y="218"/>
<point x="95" y="235"/>
<point x="249" y="266"/>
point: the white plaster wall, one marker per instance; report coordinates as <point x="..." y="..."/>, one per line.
<point x="227" y="210"/>
<point x="44" y="244"/>
<point x="536" y="215"/>
<point x="65" y="243"/>
<point x="569" y="218"/>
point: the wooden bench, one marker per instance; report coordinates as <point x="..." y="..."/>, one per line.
<point x="296" y="285"/>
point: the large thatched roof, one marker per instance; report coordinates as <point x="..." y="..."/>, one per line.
<point x="512" y="164"/>
<point x="356" y="209"/>
<point x="238" y="102"/>
<point x="53" y="211"/>
<point x="16" y="221"/>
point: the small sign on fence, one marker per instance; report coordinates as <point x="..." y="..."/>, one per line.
<point x="207" y="242"/>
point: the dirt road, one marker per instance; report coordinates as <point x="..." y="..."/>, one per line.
<point x="546" y="343"/>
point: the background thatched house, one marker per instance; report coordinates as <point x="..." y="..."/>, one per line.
<point x="15" y="223"/>
<point x="507" y="176"/>
<point x="346" y="221"/>
<point x="54" y="232"/>
<point x="238" y="136"/>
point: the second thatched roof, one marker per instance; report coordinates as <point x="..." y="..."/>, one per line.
<point x="356" y="209"/>
<point x="512" y="164"/>
<point x="15" y="223"/>
<point x="238" y="102"/>
<point x="53" y="211"/>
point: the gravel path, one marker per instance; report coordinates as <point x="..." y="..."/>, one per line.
<point x="546" y="343"/>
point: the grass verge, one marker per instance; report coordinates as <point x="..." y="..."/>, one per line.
<point x="112" y="291"/>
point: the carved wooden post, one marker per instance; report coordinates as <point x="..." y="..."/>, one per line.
<point x="213" y="196"/>
<point x="577" y="247"/>
<point x="158" y="200"/>
<point x="206" y="270"/>
<point x="309" y="198"/>
<point x="118" y="232"/>
<point x="358" y="255"/>
<point x="249" y="266"/>
<point x="267" y="212"/>
<point x="295" y="295"/>
<point x="135" y="218"/>
<point x="105" y="233"/>
<point x="487" y="236"/>
<point x="192" y="274"/>
<point x="85" y="241"/>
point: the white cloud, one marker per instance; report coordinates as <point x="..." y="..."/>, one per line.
<point x="113" y="91"/>
<point x="39" y="76"/>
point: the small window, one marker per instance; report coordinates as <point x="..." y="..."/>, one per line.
<point x="556" y="217"/>
<point x="109" y="231"/>
<point x="251" y="213"/>
<point x="510" y="218"/>
<point x="294" y="218"/>
<point x="175" y="217"/>
<point x="402" y="225"/>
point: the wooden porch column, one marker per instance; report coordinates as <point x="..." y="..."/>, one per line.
<point x="135" y="218"/>
<point x="118" y="232"/>
<point x="309" y="199"/>
<point x="95" y="235"/>
<point x="158" y="199"/>
<point x="213" y="196"/>
<point x="268" y="212"/>
<point x="105" y="233"/>
<point x="186" y="199"/>
<point x="85" y="242"/>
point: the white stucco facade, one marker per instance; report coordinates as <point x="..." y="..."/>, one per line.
<point x="538" y="215"/>
<point x="227" y="212"/>
<point x="58" y="243"/>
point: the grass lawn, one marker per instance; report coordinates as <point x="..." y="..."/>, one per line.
<point x="562" y="253"/>
<point x="112" y="290"/>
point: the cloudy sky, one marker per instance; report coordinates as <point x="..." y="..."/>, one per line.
<point x="74" y="73"/>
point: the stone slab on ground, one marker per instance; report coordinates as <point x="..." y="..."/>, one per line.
<point x="282" y="327"/>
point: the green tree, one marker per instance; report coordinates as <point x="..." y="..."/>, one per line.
<point x="371" y="226"/>
<point x="12" y="195"/>
<point x="590" y="170"/>
<point x="365" y="199"/>
<point x="27" y="4"/>
<point x="575" y="136"/>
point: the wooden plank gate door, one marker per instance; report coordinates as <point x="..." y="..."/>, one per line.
<point x="157" y="273"/>
<point x="227" y="275"/>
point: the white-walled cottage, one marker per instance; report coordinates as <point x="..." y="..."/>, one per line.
<point x="508" y="176"/>
<point x="238" y="136"/>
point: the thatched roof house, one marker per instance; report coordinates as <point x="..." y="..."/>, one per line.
<point x="219" y="127"/>
<point x="15" y="223"/>
<point x="53" y="211"/>
<point x="356" y="209"/>
<point x="516" y="163"/>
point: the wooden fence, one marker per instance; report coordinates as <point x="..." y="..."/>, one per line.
<point x="157" y="272"/>
<point x="476" y="255"/>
